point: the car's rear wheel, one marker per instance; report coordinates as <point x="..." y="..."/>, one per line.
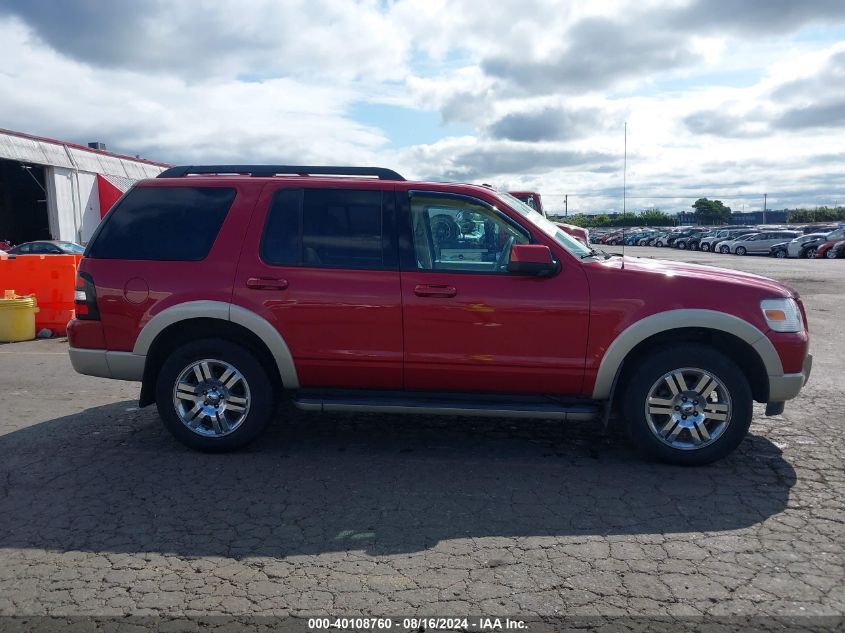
<point x="682" y="246"/>
<point x="740" y="250"/>
<point x="214" y="395"/>
<point x="689" y="406"/>
<point x="830" y="254"/>
<point x="705" y="247"/>
<point x="811" y="252"/>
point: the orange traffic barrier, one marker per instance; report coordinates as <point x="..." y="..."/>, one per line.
<point x="51" y="278"/>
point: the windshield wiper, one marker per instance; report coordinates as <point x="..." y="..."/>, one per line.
<point x="594" y="253"/>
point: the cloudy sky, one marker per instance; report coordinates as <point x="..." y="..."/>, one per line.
<point x="723" y="98"/>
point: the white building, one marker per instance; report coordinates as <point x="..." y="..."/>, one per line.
<point x="51" y="189"/>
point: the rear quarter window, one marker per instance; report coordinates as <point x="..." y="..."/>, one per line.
<point x="163" y="223"/>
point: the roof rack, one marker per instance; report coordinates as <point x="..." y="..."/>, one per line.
<point x="274" y="170"/>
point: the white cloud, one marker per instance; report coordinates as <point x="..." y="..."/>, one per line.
<point x="719" y="100"/>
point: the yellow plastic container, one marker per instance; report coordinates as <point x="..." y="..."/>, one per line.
<point x="17" y="318"/>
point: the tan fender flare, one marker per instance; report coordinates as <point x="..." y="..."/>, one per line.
<point x="637" y="332"/>
<point x="223" y="311"/>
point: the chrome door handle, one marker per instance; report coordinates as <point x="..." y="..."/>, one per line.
<point x="433" y="290"/>
<point x="266" y="283"/>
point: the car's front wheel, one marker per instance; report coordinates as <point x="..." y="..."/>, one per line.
<point x="690" y="406"/>
<point x="214" y="395"/>
<point x="705" y="247"/>
<point x="724" y="250"/>
<point x="830" y="253"/>
<point x="682" y="245"/>
<point x="810" y="253"/>
<point x="780" y="254"/>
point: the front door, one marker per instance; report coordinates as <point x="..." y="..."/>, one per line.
<point x="321" y="266"/>
<point x="469" y="324"/>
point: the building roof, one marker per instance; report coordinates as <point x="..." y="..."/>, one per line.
<point x="40" y="150"/>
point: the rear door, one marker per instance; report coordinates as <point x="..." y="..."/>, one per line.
<point x="320" y="264"/>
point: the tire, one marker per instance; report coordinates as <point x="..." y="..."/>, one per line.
<point x="810" y="253"/>
<point x="724" y="250"/>
<point x="658" y="244"/>
<point x="682" y="246"/>
<point x="705" y="248"/>
<point x="733" y="402"/>
<point x="247" y="391"/>
<point x="693" y="246"/>
<point x="740" y="250"/>
<point x="830" y="254"/>
<point x="781" y="254"/>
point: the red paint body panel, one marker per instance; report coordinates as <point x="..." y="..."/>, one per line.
<point x="169" y="283"/>
<point x="507" y="333"/>
<point x="86" y="334"/>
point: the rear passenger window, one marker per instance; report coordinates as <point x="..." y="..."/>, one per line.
<point x="332" y="228"/>
<point x="163" y="223"/>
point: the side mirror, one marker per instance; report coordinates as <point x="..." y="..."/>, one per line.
<point x="532" y="259"/>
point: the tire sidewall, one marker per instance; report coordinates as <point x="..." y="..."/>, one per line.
<point x="666" y="360"/>
<point x="260" y="387"/>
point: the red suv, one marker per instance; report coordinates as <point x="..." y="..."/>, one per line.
<point x="226" y="288"/>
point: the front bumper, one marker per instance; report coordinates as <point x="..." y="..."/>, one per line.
<point x="787" y="386"/>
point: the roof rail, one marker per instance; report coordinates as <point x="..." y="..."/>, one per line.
<point x="273" y="170"/>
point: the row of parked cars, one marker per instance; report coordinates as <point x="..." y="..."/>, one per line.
<point x="808" y="242"/>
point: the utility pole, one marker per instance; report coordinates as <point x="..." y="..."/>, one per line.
<point x="765" y="195"/>
<point x="566" y="205"/>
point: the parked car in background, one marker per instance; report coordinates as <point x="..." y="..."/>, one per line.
<point x="804" y="246"/>
<point x="779" y="250"/>
<point x="227" y="294"/>
<point x="711" y="243"/>
<point x="819" y="228"/>
<point x="662" y="239"/>
<point x="691" y="240"/>
<point x="756" y="243"/>
<point x="47" y="247"/>
<point x="832" y="250"/>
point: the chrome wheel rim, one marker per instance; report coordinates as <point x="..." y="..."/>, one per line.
<point x="211" y="398"/>
<point x="688" y="409"/>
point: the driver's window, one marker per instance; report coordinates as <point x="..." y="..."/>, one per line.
<point x="460" y="235"/>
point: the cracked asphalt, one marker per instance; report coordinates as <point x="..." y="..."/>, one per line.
<point x="102" y="513"/>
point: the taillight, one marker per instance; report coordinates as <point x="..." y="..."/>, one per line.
<point x="85" y="298"/>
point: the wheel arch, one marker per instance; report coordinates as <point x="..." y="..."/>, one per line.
<point x="207" y="319"/>
<point x="746" y="345"/>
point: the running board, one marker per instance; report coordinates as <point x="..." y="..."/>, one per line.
<point x="477" y="405"/>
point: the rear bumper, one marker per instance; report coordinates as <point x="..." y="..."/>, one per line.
<point x="105" y="364"/>
<point x="787" y="386"/>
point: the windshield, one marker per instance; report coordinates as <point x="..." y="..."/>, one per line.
<point x="549" y="228"/>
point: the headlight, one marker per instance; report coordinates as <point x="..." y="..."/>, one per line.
<point x="782" y="315"/>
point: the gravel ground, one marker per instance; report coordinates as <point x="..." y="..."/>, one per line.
<point x="101" y="512"/>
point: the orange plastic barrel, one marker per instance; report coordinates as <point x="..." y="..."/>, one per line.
<point x="51" y="278"/>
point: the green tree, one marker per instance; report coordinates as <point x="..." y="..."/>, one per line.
<point x="819" y="214"/>
<point x="655" y="217"/>
<point x="711" y="211"/>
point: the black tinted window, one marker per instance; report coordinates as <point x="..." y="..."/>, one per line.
<point x="163" y="223"/>
<point x="335" y="228"/>
<point x="281" y="244"/>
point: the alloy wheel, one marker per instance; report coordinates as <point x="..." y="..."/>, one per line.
<point x="211" y="398"/>
<point x="688" y="408"/>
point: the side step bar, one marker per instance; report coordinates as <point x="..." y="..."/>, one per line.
<point x="485" y="405"/>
